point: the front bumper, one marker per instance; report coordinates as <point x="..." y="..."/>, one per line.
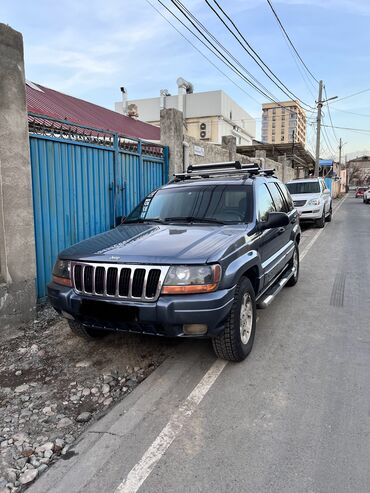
<point x="310" y="212"/>
<point x="164" y="317"/>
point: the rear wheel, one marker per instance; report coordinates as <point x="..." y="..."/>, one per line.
<point x="86" y="333"/>
<point x="320" y="223"/>
<point x="294" y="265"/>
<point x="330" y="215"/>
<point x="236" y="341"/>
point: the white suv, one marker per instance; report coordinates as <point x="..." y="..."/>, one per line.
<point x="312" y="199"/>
<point x="366" y="197"/>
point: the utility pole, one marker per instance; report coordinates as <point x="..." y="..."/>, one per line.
<point x="320" y="103"/>
<point x="340" y="152"/>
<point x="318" y="130"/>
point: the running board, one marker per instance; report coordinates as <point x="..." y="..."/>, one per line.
<point x="268" y="297"/>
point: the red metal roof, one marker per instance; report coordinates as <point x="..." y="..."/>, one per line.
<point x="57" y="105"/>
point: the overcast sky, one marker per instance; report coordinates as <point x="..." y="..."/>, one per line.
<point x="90" y="48"/>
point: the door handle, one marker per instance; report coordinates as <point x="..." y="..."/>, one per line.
<point x="281" y="230"/>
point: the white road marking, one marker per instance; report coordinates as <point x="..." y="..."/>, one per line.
<point x="157" y="449"/>
<point x="145" y="466"/>
<point x="316" y="235"/>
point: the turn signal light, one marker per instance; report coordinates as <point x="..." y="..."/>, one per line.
<point x="190" y="289"/>
<point x="63" y="281"/>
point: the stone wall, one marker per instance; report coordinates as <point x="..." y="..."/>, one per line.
<point x="17" y="242"/>
<point x="213" y="153"/>
<point x="185" y="150"/>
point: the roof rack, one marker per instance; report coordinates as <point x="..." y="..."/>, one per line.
<point x="220" y="169"/>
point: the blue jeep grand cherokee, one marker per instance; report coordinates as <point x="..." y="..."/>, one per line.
<point x="194" y="259"/>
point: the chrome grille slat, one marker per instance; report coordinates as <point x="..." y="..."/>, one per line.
<point x="120" y="281"/>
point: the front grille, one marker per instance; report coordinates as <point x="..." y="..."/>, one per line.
<point x="131" y="282"/>
<point x="299" y="203"/>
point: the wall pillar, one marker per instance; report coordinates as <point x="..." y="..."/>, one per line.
<point x="229" y="142"/>
<point x="172" y="135"/>
<point x="17" y="242"/>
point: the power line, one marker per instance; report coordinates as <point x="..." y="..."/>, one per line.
<point x="254" y="55"/>
<point x="202" y="29"/>
<point x="201" y="53"/>
<point x="218" y="54"/>
<point x="351" y="112"/>
<point x="290" y="41"/>
<point x="351" y="95"/>
<point x="331" y="121"/>
<point x="363" y="130"/>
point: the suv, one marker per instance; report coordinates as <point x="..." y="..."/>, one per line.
<point x="194" y="259"/>
<point x="312" y="199"/>
<point x="366" y="196"/>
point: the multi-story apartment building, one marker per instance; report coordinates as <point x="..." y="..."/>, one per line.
<point x="283" y="122"/>
<point x="207" y="115"/>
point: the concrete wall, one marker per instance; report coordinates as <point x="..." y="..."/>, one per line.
<point x="213" y="153"/>
<point x="196" y="151"/>
<point x="17" y="243"/>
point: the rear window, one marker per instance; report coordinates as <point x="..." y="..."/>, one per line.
<point x="303" y="187"/>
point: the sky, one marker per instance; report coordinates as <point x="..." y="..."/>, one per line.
<point x="89" y="49"/>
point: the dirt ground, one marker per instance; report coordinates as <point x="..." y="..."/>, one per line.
<point x="52" y="384"/>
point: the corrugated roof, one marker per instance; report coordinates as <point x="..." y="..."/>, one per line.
<point x="57" y="105"/>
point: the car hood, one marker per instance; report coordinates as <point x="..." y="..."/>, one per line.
<point x="159" y="244"/>
<point x="305" y="196"/>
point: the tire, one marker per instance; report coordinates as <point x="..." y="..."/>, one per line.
<point x="86" y="333"/>
<point x="295" y="260"/>
<point x="230" y="344"/>
<point x="329" y="216"/>
<point x="320" y="223"/>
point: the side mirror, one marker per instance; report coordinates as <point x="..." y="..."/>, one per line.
<point x="274" y="220"/>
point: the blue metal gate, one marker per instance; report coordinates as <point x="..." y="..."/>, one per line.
<point x="83" y="179"/>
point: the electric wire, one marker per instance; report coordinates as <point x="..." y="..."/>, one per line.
<point x="219" y="55"/>
<point x="254" y="55"/>
<point x="331" y="121"/>
<point x="290" y="41"/>
<point x="224" y="59"/>
<point x="201" y="53"/>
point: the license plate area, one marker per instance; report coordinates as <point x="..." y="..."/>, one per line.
<point x="110" y="312"/>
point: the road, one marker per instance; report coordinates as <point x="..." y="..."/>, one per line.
<point x="294" y="417"/>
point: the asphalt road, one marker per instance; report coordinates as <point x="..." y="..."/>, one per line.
<point x="294" y="417"/>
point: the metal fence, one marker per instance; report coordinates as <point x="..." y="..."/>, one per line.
<point x="83" y="180"/>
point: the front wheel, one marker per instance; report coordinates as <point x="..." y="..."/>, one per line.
<point x="330" y="215"/>
<point x="236" y="341"/>
<point x="320" y="223"/>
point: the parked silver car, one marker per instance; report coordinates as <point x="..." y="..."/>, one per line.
<point x="312" y="199"/>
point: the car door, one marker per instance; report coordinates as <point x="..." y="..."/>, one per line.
<point x="283" y="240"/>
<point x="269" y="238"/>
<point x="325" y="196"/>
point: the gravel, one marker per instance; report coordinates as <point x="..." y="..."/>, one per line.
<point x="53" y="385"/>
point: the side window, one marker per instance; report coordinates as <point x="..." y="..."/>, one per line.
<point x="278" y="199"/>
<point x="265" y="203"/>
<point x="287" y="197"/>
<point x="323" y="186"/>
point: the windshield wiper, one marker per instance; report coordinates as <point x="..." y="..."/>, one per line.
<point x="192" y="219"/>
<point x="149" y="220"/>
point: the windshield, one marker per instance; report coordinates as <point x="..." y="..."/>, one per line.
<point x="303" y="187"/>
<point x="223" y="204"/>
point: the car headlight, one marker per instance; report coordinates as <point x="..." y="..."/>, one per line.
<point x="186" y="279"/>
<point x="62" y="272"/>
<point x="313" y="202"/>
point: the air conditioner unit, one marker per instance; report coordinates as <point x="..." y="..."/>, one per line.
<point x="204" y="130"/>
